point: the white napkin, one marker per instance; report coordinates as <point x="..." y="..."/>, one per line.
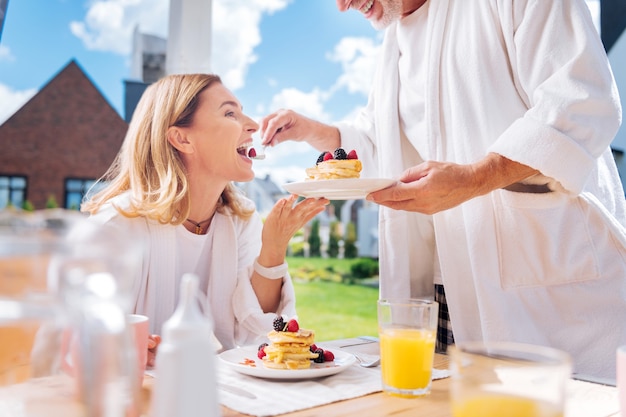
<point x="278" y="397"/>
<point x="586" y="399"/>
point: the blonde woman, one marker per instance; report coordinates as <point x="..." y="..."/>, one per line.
<point x="171" y="186"/>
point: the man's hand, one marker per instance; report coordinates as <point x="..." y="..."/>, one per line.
<point x="433" y="186"/>
<point x="284" y="125"/>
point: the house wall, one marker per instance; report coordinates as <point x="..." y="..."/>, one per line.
<point x="67" y="130"/>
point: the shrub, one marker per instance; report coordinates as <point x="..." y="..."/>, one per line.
<point x="51" y="203"/>
<point x="315" y="243"/>
<point x="28" y="206"/>
<point x="333" y="240"/>
<point x="304" y="274"/>
<point x="349" y="247"/>
<point x="364" y="268"/>
<point x="296" y="249"/>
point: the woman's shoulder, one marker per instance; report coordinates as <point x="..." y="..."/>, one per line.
<point x="110" y="212"/>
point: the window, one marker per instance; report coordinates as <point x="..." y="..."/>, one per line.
<point x="12" y="190"/>
<point x="76" y="189"/>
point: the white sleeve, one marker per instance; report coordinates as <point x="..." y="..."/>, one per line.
<point x="563" y="73"/>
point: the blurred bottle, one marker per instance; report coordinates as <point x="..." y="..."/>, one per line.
<point x="185" y="384"/>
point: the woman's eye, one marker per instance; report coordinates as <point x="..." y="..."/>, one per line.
<point x="230" y="114"/>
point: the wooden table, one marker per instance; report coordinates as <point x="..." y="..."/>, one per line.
<point x="55" y="398"/>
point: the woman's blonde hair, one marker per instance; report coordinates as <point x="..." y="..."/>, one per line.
<point x="149" y="167"/>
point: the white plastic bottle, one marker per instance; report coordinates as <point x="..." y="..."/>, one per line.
<point x="185" y="384"/>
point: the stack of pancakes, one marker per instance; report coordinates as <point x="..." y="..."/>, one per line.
<point x="333" y="169"/>
<point x="289" y="350"/>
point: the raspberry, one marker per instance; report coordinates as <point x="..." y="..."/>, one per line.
<point x="320" y="355"/>
<point x="279" y="324"/>
<point x="328" y="356"/>
<point x="313" y="347"/>
<point x="321" y="157"/>
<point x="261" y="352"/>
<point x="352" y="155"/>
<point x="340" y="154"/>
<point x="251" y="153"/>
<point x="328" y="156"/>
<point x="292" y="326"/>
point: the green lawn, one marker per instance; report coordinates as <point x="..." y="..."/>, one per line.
<point x="334" y="310"/>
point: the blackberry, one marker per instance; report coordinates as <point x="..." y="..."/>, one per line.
<point x="261" y="346"/>
<point x="321" y="157"/>
<point x="340" y="154"/>
<point x="320" y="356"/>
<point x="279" y="324"/>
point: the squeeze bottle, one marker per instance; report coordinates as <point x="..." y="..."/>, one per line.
<point x="185" y="382"/>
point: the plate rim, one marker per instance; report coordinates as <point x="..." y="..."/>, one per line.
<point x="319" y="187"/>
<point x="259" y="371"/>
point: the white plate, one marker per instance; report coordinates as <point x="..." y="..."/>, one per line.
<point x="346" y="189"/>
<point x="237" y="358"/>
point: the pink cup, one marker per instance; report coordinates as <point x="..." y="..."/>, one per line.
<point x="621" y="378"/>
<point x="141" y="331"/>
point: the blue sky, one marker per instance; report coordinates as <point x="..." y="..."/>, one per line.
<point x="301" y="54"/>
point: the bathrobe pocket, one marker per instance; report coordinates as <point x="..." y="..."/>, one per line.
<point x="545" y="239"/>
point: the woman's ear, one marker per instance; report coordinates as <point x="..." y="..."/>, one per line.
<point x="177" y="138"/>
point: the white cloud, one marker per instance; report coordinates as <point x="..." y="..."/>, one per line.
<point x="11" y="100"/>
<point x="357" y="57"/>
<point x="108" y="26"/>
<point x="6" y="54"/>
<point x="310" y="104"/>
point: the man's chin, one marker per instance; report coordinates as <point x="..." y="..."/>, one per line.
<point x="378" y="25"/>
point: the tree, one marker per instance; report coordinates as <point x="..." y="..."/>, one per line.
<point x="333" y="240"/>
<point x="315" y="243"/>
<point x="349" y="248"/>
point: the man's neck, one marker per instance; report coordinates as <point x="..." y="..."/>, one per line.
<point x="412" y="6"/>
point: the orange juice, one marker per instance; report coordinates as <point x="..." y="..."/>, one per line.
<point x="497" y="405"/>
<point x="407" y="359"/>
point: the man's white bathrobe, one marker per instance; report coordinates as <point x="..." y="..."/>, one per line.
<point x="527" y="79"/>
<point x="238" y="319"/>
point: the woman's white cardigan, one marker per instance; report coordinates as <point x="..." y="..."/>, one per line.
<point x="527" y="79"/>
<point x="238" y="319"/>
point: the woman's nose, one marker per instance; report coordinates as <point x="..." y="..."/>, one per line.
<point x="251" y="125"/>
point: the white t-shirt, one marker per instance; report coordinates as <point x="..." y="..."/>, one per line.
<point x="191" y="249"/>
<point x="412" y="66"/>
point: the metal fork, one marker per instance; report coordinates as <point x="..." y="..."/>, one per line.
<point x="367" y="364"/>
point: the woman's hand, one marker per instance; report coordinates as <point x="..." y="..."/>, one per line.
<point x="153" y="344"/>
<point x="285" y="219"/>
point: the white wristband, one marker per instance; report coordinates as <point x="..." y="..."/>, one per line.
<point x="275" y="272"/>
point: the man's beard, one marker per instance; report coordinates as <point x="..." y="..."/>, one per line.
<point x="392" y="11"/>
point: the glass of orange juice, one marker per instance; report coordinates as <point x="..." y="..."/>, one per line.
<point x="512" y="379"/>
<point x="407" y="330"/>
